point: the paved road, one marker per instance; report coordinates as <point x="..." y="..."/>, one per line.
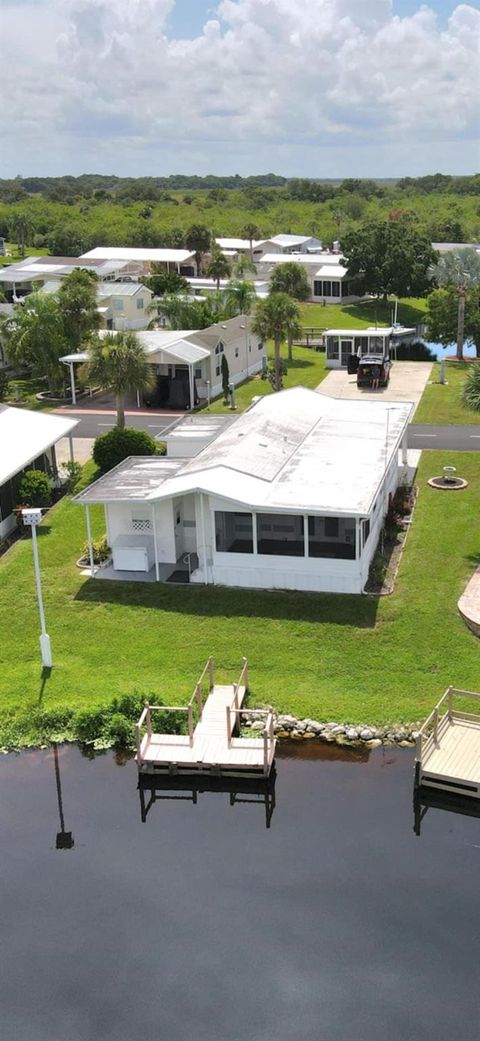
<point x="93" y="424"/>
<point x="456" y="438"/>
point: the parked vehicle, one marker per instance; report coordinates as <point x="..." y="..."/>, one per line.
<point x="370" y="367"/>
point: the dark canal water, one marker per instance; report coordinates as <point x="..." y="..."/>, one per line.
<point x="337" y="923"/>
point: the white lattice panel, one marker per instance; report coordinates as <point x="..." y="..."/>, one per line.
<point x="141" y="525"/>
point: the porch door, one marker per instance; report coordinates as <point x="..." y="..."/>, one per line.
<point x="346" y="349"/>
<point x="179" y="532"/>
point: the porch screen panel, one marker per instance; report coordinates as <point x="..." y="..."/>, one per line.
<point x="280" y="535"/>
<point x="332" y="537"/>
<point x="233" y="532"/>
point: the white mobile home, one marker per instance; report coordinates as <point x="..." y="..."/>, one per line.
<point x="27" y="442"/>
<point x="188" y="363"/>
<point x="290" y="495"/>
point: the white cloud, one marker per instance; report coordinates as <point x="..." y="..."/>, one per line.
<point x="269" y="84"/>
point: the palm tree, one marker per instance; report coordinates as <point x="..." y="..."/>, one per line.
<point x="471" y="388"/>
<point x="117" y="362"/>
<point x="460" y="268"/>
<point x="198" y="239"/>
<point x="218" y="266"/>
<point x="34" y="337"/>
<point x="251" y="232"/>
<point x="21" y="226"/>
<point x="277" y="318"/>
<point x="243" y="266"/>
<point x="239" y="297"/>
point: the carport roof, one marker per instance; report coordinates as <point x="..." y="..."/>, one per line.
<point x="132" y="480"/>
<point x="25" y="435"/>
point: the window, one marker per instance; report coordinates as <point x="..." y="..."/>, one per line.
<point x="220" y="348"/>
<point x="335" y="288"/>
<point x="260" y="345"/>
<point x="332" y="537"/>
<point x="331" y="527"/>
<point x="327" y="289"/>
<point x="140" y="303"/>
<point x="198" y="374"/>
<point x="280" y="535"/>
<point x="117" y="303"/>
<point x="236" y="352"/>
<point x="7" y="500"/>
<point x="218" y="370"/>
<point x="317" y="287"/>
<point x="365" y="530"/>
<point x="233" y="532"/>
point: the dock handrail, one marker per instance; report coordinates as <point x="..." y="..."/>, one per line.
<point x="197" y="695"/>
<point x="431" y="727"/>
<point x="243" y="677"/>
<point x="267" y="732"/>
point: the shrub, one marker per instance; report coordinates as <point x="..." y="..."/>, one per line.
<point x="35" y="489"/>
<point x="3" y="384"/>
<point x="90" y="724"/>
<point x="120" y="730"/>
<point x="471" y="388"/>
<point x="416" y="351"/>
<point x="112" y="448"/>
<point x="73" y="471"/>
<point x="101" y="550"/>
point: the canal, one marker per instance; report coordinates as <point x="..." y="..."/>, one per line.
<point x="200" y="923"/>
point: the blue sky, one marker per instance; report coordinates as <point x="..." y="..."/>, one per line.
<point x="331" y="88"/>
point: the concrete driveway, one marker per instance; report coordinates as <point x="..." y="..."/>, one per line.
<point x="408" y="380"/>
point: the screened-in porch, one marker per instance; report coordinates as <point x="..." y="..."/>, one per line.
<point x="285" y="535"/>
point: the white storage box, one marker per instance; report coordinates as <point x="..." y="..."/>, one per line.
<point x="133" y="553"/>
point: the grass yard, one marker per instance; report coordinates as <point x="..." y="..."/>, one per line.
<point x="358" y="659"/>
<point x="306" y="370"/>
<point x="22" y="391"/>
<point x="442" y="403"/>
<point x="411" y="311"/>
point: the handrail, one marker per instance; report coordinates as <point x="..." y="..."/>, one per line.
<point x="436" y="719"/>
<point x="243" y="678"/>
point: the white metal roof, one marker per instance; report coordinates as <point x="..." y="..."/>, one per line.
<point x="106" y="289"/>
<point x="329" y="271"/>
<point x="25" y="435"/>
<point x="296" y="451"/>
<point x="371" y="330"/>
<point x="184" y="351"/>
<point x="131" y="481"/>
<point x="310" y="259"/>
<point x="236" y="244"/>
<point x="176" y="256"/>
<point x="291" y="240"/>
<point x="33" y="268"/>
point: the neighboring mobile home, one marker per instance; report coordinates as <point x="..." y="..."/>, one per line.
<point x="291" y="494"/>
<point x="340" y="344"/>
<point x="27" y="441"/>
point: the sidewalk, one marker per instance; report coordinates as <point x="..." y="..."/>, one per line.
<point x="82" y="449"/>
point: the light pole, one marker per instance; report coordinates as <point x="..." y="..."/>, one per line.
<point x="31" y="518"/>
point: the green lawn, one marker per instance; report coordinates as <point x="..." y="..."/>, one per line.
<point x="337" y="657"/>
<point x="306" y="370"/>
<point x="411" y="311"/>
<point x="442" y="403"/>
<point x="22" y="393"/>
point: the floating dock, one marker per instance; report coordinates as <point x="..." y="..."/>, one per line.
<point x="448" y="747"/>
<point x="212" y="744"/>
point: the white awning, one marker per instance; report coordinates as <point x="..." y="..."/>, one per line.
<point x="25" y="435"/>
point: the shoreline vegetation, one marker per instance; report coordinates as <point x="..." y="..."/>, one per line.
<point x="321" y="657"/>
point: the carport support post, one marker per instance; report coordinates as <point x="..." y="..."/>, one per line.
<point x="90" y="543"/>
<point x="72" y="383"/>
<point x="70" y="442"/>
<point x="404" y="450"/>
<point x="155" y="543"/>
<point x="191" y="387"/>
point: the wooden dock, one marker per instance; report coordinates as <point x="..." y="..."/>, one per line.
<point x="212" y="744"/>
<point x="448" y="747"/>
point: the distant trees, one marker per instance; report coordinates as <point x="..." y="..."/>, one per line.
<point x="34" y="338"/>
<point x="389" y="256"/>
<point x="290" y="278"/>
<point x="21" y="231"/>
<point x="77" y="301"/>
<point x="182" y="312"/>
<point x="67" y="240"/>
<point x="118" y="363"/>
<point x="198" y="241"/>
<point x="276" y="318"/>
